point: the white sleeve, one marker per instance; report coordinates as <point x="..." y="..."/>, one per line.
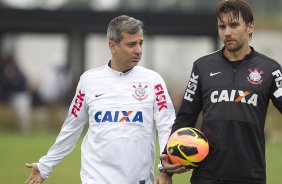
<point x="164" y="113"/>
<point x="70" y="133"/>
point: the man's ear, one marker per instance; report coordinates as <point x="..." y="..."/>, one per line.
<point x="251" y="27"/>
<point x="112" y="46"/>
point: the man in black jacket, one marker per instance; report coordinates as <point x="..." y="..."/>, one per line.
<point x="232" y="87"/>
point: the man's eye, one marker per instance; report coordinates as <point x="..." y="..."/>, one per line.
<point x="221" y="27"/>
<point x="232" y="25"/>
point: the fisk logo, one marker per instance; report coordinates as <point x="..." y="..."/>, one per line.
<point x="118" y="116"/>
<point x="234" y="96"/>
<point x="77" y="103"/>
<point x="160" y="97"/>
<point x="278" y="81"/>
<point x="191" y="88"/>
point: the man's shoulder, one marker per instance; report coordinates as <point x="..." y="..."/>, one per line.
<point x="93" y="71"/>
<point x="216" y="55"/>
<point x="266" y="59"/>
<point x="144" y="70"/>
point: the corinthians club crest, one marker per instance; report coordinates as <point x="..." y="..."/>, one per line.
<point x="255" y="76"/>
<point x="140" y="92"/>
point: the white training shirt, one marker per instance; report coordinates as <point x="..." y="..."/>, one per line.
<point x="124" y="110"/>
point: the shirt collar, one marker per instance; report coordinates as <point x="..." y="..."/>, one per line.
<point x="118" y="72"/>
<point x="247" y="57"/>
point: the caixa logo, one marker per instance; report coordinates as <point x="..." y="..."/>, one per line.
<point x="234" y="96"/>
<point x="118" y="116"/>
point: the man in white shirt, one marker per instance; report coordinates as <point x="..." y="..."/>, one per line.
<point x="126" y="106"/>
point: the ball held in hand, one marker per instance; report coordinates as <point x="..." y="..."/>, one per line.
<point x="188" y="147"/>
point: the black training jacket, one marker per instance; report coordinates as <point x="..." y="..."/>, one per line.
<point x="234" y="105"/>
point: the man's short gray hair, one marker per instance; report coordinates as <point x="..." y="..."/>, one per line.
<point x="121" y="24"/>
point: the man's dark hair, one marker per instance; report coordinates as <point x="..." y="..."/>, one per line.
<point x="235" y="8"/>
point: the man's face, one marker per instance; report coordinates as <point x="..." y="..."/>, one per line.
<point x="128" y="52"/>
<point x="234" y="33"/>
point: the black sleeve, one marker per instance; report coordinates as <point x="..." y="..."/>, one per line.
<point x="191" y="105"/>
<point x="276" y="88"/>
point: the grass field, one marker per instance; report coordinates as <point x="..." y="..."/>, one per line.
<point x="17" y="149"/>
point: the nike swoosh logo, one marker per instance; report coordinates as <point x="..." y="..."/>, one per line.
<point x="213" y="74"/>
<point x="98" y="95"/>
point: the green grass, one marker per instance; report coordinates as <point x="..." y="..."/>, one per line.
<point x="17" y="149"/>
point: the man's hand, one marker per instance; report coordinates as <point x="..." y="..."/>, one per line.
<point x="172" y="168"/>
<point x="35" y="177"/>
<point x="163" y="178"/>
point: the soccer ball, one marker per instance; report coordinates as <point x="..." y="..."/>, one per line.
<point x="188" y="147"/>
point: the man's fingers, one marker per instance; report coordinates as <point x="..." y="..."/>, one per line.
<point x="178" y="170"/>
<point x="34" y="177"/>
<point x="33" y="180"/>
<point x="29" y="179"/>
<point x="26" y="182"/>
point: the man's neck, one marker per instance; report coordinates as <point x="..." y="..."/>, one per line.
<point x="237" y="55"/>
<point x="114" y="66"/>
